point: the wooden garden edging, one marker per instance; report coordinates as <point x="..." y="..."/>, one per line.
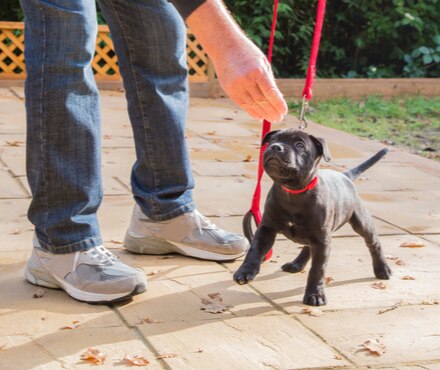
<point x="104" y="64"/>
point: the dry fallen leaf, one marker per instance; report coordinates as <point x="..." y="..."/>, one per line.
<point x="39" y="293"/>
<point x="136" y="360"/>
<point x="408" y="277"/>
<point x="152" y="273"/>
<point x="247" y="176"/>
<point x="114" y="241"/>
<point x="328" y="280"/>
<point x="94" y="356"/>
<point x="214" y="304"/>
<point x="378" y="285"/>
<point x="166" y="355"/>
<point x="390" y="257"/>
<point x="2" y="347"/>
<point x="393" y="307"/>
<point x="248" y="158"/>
<point x="212" y="133"/>
<point x="374" y="347"/>
<point x="337" y="357"/>
<point x="14" y="143"/>
<point x="147" y="320"/>
<point x="312" y="311"/>
<point x="400" y="262"/>
<point x="74" y="325"/>
<point x="415" y="244"/>
<point x="430" y="302"/>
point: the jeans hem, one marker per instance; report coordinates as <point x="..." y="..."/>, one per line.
<point x="189" y="207"/>
<point x="82" y="245"/>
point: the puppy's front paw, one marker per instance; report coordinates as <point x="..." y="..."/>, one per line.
<point x="245" y="274"/>
<point x="383" y="271"/>
<point x="315" y="298"/>
<point x="292" y="267"/>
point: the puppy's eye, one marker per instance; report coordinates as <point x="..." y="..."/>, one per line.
<point x="299" y="145"/>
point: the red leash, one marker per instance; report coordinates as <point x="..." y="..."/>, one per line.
<point x="255" y="213"/>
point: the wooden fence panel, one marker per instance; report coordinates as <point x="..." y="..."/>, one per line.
<point x="105" y="62"/>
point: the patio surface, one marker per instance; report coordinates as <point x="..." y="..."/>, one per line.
<point x="264" y="328"/>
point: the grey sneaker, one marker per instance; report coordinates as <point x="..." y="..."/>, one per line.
<point x="190" y="234"/>
<point x="94" y="276"/>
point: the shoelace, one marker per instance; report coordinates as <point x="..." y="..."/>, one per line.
<point x="102" y="255"/>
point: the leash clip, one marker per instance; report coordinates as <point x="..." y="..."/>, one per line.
<point x="302" y="116"/>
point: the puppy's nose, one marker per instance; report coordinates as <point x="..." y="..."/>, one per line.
<point x="277" y="148"/>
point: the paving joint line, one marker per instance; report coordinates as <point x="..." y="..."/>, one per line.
<point x="406" y="231"/>
<point x="284" y="311"/>
<point x="16" y="178"/>
<point x="140" y="336"/>
<point x="16" y="94"/>
<point x="120" y="182"/>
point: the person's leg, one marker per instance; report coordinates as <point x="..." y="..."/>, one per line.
<point x="63" y="156"/>
<point x="63" y="124"/>
<point x="150" y="42"/>
<point x="149" y="38"/>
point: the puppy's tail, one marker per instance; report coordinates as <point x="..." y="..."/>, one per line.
<point x="354" y="173"/>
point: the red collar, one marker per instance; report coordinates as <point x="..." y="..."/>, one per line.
<point x="312" y="184"/>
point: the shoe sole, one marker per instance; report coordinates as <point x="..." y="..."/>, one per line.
<point x="78" y="294"/>
<point x="153" y="245"/>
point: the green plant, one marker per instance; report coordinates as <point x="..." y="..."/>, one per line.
<point x="360" y="39"/>
<point x="422" y="59"/>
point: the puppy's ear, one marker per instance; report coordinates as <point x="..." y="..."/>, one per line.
<point x="322" y="147"/>
<point x="269" y="136"/>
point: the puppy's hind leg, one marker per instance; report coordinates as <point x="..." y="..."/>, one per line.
<point x="299" y="262"/>
<point x="362" y="223"/>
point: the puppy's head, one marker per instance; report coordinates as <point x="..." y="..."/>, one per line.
<point x="292" y="156"/>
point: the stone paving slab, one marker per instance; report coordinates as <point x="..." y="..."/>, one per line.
<point x="14" y="159"/>
<point x="264" y="327"/>
<point x="13" y="119"/>
<point x="411" y="334"/>
<point x="269" y="342"/>
<point x="393" y="176"/>
<point x="187" y="280"/>
<point x="350" y="266"/>
<point x="10" y="187"/>
<point x="416" y="212"/>
<point x="29" y="324"/>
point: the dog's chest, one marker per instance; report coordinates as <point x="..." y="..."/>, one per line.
<point x="297" y="229"/>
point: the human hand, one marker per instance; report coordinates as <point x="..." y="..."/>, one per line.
<point x="246" y="76"/>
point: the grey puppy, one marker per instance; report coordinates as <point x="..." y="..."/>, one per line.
<point x="306" y="206"/>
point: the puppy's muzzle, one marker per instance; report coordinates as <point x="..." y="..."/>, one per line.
<point x="276" y="154"/>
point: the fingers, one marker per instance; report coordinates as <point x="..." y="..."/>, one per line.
<point x="266" y="104"/>
<point x="263" y="106"/>
<point x="244" y="100"/>
<point x="272" y="94"/>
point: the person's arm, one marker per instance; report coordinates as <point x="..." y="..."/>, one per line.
<point x="242" y="69"/>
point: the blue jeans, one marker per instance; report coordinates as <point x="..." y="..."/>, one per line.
<point x="63" y="118"/>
